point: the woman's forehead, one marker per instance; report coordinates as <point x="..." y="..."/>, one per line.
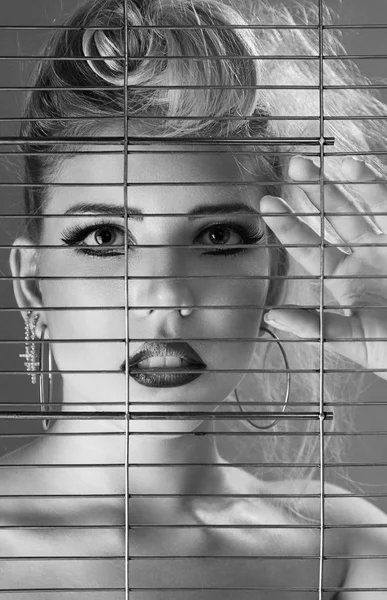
<point x="150" y="179"/>
<point x="153" y="164"/>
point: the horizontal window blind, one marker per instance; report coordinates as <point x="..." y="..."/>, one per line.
<point x="171" y="176"/>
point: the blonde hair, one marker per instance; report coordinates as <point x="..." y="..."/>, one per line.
<point x="240" y="112"/>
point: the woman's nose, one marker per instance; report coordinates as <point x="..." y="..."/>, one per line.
<point x="165" y="289"/>
<point x="172" y="295"/>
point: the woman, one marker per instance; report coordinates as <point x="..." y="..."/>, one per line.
<point x="70" y="269"/>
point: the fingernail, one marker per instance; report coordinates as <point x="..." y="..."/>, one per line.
<point x="298" y="156"/>
<point x="303" y="157"/>
<point x="284" y="202"/>
<point x="278" y="326"/>
<point x="279" y="198"/>
<point x="275" y="320"/>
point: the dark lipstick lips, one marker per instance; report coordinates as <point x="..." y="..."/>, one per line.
<point x="154" y="377"/>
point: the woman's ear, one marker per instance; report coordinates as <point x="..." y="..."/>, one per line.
<point x="24" y="265"/>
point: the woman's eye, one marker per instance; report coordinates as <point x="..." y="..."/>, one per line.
<point x="220" y="234"/>
<point x="104" y="236"/>
<point x="96" y="240"/>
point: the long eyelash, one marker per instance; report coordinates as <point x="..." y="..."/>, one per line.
<point x="77" y="234"/>
<point x="250" y="233"/>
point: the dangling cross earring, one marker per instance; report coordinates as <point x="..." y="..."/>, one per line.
<point x="31" y="364"/>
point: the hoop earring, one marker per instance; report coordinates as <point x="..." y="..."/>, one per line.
<point x="287" y="394"/>
<point x="45" y="407"/>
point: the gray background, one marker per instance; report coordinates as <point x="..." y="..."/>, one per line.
<point x="368" y="418"/>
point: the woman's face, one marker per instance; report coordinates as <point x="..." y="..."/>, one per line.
<point x="94" y="316"/>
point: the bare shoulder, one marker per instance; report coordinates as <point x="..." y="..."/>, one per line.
<point x="14" y="476"/>
<point x="13" y="484"/>
<point x="364" y="536"/>
<point x="345" y="507"/>
<point x="341" y="505"/>
<point x="25" y="453"/>
<point x="19" y="482"/>
<point x="367" y="545"/>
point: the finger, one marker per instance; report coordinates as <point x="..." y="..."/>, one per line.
<point x="374" y="194"/>
<point x="306" y="324"/>
<point x="349" y="228"/>
<point x="290" y="230"/>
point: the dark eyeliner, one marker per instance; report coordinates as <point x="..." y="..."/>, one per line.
<point x="76" y="234"/>
<point x="250" y="233"/>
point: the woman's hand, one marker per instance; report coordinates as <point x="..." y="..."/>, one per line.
<point x="366" y="261"/>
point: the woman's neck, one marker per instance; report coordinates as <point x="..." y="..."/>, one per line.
<point x="91" y="445"/>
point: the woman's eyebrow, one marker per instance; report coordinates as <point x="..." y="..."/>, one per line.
<point x="198" y="212"/>
<point x="116" y="210"/>
<point x="222" y="209"/>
